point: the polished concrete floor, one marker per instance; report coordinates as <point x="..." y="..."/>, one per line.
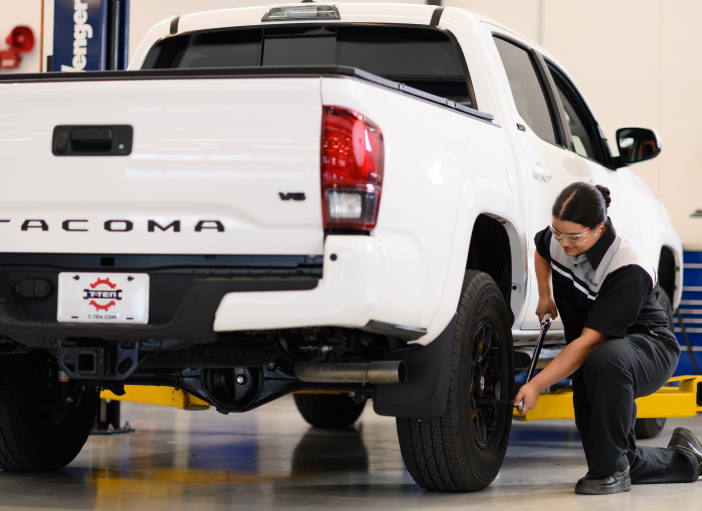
<point x="271" y="459"/>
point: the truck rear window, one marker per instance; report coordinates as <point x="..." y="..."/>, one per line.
<point x="422" y="58"/>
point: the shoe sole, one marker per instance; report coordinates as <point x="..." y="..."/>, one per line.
<point x="622" y="487"/>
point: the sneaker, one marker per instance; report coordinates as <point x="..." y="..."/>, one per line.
<point x="604" y="485"/>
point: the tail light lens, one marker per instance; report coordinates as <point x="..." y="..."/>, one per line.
<point x="352" y="170"/>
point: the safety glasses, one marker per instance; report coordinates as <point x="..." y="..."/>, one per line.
<point x="571" y="238"/>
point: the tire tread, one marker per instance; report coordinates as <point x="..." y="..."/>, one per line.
<point x="429" y="446"/>
<point x="25" y="444"/>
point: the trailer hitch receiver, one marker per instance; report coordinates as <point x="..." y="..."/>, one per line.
<point x="107" y="362"/>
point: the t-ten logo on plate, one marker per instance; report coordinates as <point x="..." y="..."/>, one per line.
<point x="102" y="294"/>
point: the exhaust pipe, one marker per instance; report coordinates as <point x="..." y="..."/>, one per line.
<point x="373" y="372"/>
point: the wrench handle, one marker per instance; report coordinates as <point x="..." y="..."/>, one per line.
<point x="545" y="325"/>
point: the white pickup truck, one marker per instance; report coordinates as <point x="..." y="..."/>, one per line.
<point x="303" y="197"/>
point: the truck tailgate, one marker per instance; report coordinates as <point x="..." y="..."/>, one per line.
<point x="218" y="166"/>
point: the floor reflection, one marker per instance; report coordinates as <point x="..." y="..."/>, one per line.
<point x="63" y="489"/>
<point x="329" y="451"/>
<point x="192" y="472"/>
<point x="271" y="459"/>
<point x="541" y="434"/>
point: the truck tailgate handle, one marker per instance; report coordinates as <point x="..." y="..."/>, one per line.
<point x="92" y="140"/>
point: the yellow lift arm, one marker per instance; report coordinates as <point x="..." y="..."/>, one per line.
<point x="164" y="396"/>
<point x="680" y="401"/>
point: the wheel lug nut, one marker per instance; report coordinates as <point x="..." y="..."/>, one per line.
<point x="241" y="379"/>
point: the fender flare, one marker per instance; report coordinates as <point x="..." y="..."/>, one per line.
<point x="481" y="196"/>
<point x="425" y="392"/>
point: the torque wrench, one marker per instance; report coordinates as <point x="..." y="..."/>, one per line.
<point x="545" y="325"/>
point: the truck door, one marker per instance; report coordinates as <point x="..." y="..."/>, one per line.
<point x="533" y="114"/>
<point x="588" y="142"/>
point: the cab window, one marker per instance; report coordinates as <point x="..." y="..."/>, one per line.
<point x="527" y="89"/>
<point x="420" y="57"/>
<point x="582" y="144"/>
<point x="584" y="129"/>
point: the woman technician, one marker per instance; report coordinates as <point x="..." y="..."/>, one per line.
<point x="618" y="343"/>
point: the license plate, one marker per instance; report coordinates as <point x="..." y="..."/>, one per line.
<point x="103" y="298"/>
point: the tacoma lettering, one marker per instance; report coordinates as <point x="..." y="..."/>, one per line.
<point x="35" y="224"/>
<point x="175" y="225"/>
<point x="74" y="225"/>
<point x="122" y="225"/>
<point x="67" y="226"/>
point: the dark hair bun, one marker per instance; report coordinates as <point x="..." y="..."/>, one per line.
<point x="605" y="194"/>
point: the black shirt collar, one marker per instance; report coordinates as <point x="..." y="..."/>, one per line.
<point x="599" y="249"/>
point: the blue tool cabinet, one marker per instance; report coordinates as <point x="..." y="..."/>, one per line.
<point x="691" y="311"/>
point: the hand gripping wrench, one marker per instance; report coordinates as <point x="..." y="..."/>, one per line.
<point x="545" y="325"/>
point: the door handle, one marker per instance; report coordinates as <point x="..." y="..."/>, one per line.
<point x="541" y="174"/>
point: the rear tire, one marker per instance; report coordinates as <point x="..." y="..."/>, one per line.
<point x="648" y="428"/>
<point x="39" y="432"/>
<point x="463" y="449"/>
<point x="329" y="411"/>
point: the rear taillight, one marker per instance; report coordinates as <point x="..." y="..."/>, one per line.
<point x="352" y="170"/>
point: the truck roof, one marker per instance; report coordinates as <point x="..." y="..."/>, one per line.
<point x="404" y="14"/>
<point x="411" y="14"/>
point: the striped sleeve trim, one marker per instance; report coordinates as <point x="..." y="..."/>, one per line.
<point x="576" y="284"/>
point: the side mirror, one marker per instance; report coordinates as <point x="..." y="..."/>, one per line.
<point x="637" y="144"/>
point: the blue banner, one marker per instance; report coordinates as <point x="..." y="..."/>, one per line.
<point x="79" y="35"/>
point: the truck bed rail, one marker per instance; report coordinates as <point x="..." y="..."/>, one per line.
<point x="249" y="72"/>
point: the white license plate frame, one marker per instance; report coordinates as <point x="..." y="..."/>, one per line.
<point x="112" y="298"/>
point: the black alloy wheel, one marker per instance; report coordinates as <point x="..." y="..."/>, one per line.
<point x="486" y="385"/>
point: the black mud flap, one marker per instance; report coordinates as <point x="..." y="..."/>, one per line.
<point x="425" y="392"/>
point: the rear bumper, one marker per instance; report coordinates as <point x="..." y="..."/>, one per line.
<point x="194" y="298"/>
<point x="185" y="293"/>
<point x="345" y="296"/>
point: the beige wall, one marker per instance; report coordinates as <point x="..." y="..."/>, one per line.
<point x="27" y="13"/>
<point x="638" y="63"/>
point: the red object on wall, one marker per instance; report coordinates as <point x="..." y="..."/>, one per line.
<point x="21" y="40"/>
<point x="9" y="59"/>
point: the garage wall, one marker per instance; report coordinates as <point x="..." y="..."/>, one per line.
<point x="27" y="13"/>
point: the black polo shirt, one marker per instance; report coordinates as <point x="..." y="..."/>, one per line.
<point x="612" y="288"/>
